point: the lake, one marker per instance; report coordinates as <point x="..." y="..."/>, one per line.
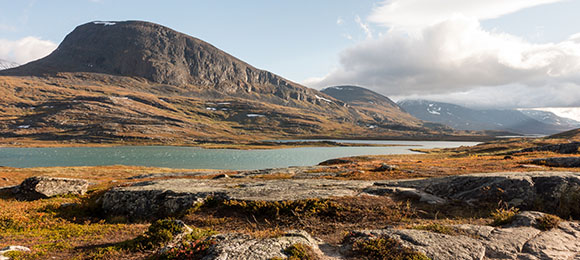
<point x="199" y="158"/>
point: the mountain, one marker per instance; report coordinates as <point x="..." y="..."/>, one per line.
<point x="4" y="64"/>
<point x="379" y="107"/>
<point x="463" y="118"/>
<point x="136" y="82"/>
<point x="550" y="118"/>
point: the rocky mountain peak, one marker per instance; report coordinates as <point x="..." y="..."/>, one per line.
<point x="161" y="55"/>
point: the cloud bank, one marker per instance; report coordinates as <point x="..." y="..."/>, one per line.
<point x="431" y="51"/>
<point x="26" y="49"/>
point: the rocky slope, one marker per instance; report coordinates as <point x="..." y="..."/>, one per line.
<point x="462" y="118"/>
<point x="141" y="82"/>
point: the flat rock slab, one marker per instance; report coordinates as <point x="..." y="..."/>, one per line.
<point x="158" y="198"/>
<point x="45" y="187"/>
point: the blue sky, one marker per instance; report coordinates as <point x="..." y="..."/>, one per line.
<point x="297" y="39"/>
<point x="477" y="53"/>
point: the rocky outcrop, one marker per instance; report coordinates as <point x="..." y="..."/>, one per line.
<point x="242" y="247"/>
<point x="520" y="189"/>
<point x="568" y="162"/>
<point x="547" y="191"/>
<point x="165" y="197"/>
<point x="44" y="187"/>
<point x="519" y="240"/>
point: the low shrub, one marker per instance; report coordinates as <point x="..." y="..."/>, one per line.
<point x="385" y="248"/>
<point x="504" y="215"/>
<point x="548" y="222"/>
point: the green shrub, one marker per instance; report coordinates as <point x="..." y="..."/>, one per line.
<point x="159" y="233"/>
<point x="300" y="252"/>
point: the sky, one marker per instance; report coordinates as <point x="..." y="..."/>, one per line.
<point x="492" y="53"/>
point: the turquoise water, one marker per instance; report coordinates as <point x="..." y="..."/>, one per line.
<point x="198" y="158"/>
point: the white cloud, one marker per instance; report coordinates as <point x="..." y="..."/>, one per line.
<point x="566" y="112"/>
<point x="365" y="27"/>
<point x="339" y="21"/>
<point x="449" y="56"/>
<point x="26" y="49"/>
<point x="408" y="14"/>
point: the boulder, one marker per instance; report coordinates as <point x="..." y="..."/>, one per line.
<point x="45" y="187"/>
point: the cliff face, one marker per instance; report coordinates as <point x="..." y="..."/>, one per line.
<point x="161" y="55"/>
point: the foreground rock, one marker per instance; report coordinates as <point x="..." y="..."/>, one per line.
<point x="519" y="240"/>
<point x="244" y="247"/>
<point x="568" y="162"/>
<point x="45" y="187"/>
<point x="165" y="197"/>
<point x="547" y="191"/>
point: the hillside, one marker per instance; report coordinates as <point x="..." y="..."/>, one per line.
<point x="462" y="118"/>
<point x="139" y="82"/>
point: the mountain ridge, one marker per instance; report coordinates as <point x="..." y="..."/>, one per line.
<point x="142" y="82"/>
<point x="463" y="118"/>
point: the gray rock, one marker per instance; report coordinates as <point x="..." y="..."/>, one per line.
<point x="520" y="240"/>
<point x="165" y="197"/>
<point x="45" y="187"/>
<point x="436" y="246"/>
<point x="244" y="247"/>
<point x="568" y="162"/>
<point x="559" y="243"/>
<point x="520" y="189"/>
<point x="12" y="248"/>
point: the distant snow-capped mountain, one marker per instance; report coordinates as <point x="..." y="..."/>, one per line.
<point x="463" y="118"/>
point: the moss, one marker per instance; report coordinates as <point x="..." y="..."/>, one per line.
<point x="188" y="250"/>
<point x="159" y="233"/>
<point x="504" y="216"/>
<point x="548" y="222"/>
<point x="385" y="248"/>
<point x="300" y="252"/>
